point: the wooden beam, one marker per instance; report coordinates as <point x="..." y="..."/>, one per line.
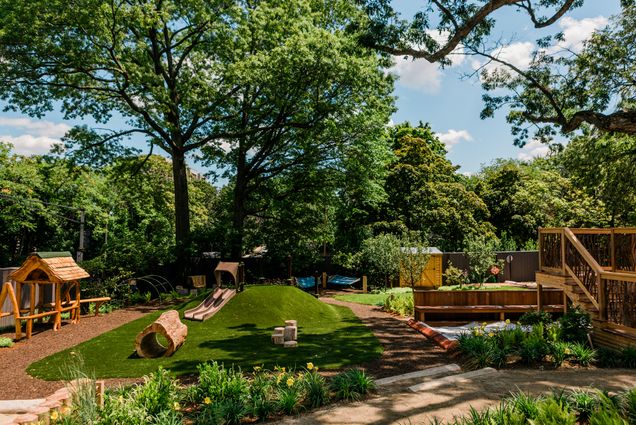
<point x="539" y="297"/>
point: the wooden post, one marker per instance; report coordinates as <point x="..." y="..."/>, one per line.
<point x="364" y="283"/>
<point x="539" y="297"/>
<point x="563" y="251"/>
<point x="540" y="253"/>
<point x="565" y="302"/>
<point x="324" y="280"/>
<point x="77" y="300"/>
<point x="57" y="324"/>
<point x="612" y="250"/>
<point x="602" y="297"/>
<point x="29" y="323"/>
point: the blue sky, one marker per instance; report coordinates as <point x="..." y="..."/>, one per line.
<point x="444" y="98"/>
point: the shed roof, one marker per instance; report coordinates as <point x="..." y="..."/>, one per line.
<point x="59" y="267"/>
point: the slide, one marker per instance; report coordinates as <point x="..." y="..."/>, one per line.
<point x="213" y="303"/>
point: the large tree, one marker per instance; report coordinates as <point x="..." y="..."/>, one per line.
<point x="189" y="74"/>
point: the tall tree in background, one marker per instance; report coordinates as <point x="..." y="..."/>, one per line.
<point x="303" y="69"/>
<point x="426" y="194"/>
<point x="189" y="74"/>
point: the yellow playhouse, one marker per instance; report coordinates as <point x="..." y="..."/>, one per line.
<point x="432" y="274"/>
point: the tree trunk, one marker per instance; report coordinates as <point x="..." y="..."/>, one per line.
<point x="181" y="213"/>
<point x="238" y="212"/>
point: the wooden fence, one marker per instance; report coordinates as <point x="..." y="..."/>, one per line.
<point x="484" y="297"/>
<point x="522" y="268"/>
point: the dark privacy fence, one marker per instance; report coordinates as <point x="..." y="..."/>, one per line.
<point x="521" y="269"/>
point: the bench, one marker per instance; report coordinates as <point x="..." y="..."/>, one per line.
<point x="98" y="302"/>
<point x="420" y="311"/>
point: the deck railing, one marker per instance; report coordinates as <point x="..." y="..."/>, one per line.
<point x="601" y="261"/>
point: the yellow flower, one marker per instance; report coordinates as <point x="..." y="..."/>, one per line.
<point x="290" y="382"/>
<point x="257" y="368"/>
<point x="280" y="377"/>
<point x="507" y="321"/>
<point x="120" y="399"/>
<point x="207" y="400"/>
<point x="283" y="370"/>
<point x="316" y="368"/>
<point x="491" y="334"/>
<point x="176" y="406"/>
<point x="310" y="366"/>
<point x="54" y="415"/>
<point x="301" y="375"/>
<point x="66" y="410"/>
<point x="484" y="324"/>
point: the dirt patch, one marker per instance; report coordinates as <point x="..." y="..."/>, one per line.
<point x="405" y="350"/>
<point x="16" y="383"/>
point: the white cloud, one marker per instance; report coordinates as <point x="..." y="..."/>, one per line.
<point x="31" y="137"/>
<point x="27" y="144"/>
<point x="418" y="74"/>
<point x="575" y="32"/>
<point x="518" y="54"/>
<point x="533" y="149"/>
<point x="453" y="137"/>
<point x="37" y="128"/>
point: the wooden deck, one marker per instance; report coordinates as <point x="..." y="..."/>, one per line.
<point x="596" y="269"/>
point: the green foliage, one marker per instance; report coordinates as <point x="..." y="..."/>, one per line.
<point x="551" y="411"/>
<point x="582" y="354"/>
<point x="576" y="325"/>
<point x="288" y="399"/>
<point x="454" y="275"/>
<point x="379" y="257"/>
<point x="628" y="356"/>
<point x="481" y="258"/>
<point x="414" y="258"/>
<point x="157" y="393"/>
<point x="352" y="384"/>
<point x="401" y="304"/>
<point x="6" y="342"/>
<point x="559" y="351"/>
<point x="316" y="389"/>
<point x="535" y="317"/>
<point x="220" y="383"/>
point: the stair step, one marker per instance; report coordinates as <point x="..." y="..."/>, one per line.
<point x="425" y="373"/>
<point x="453" y="379"/>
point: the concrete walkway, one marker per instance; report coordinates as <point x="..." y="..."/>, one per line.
<point x="400" y="406"/>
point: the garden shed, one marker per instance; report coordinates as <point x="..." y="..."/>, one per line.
<point x="432" y="274"/>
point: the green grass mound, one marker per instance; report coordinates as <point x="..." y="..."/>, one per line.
<point x="240" y="334"/>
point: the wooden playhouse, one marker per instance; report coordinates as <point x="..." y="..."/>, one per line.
<point x="50" y="282"/>
<point x="432" y="274"/>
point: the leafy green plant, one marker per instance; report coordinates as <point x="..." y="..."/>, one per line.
<point x="157" y="393"/>
<point x="288" y="399"/>
<point x="525" y="404"/>
<point x="552" y="412"/>
<point x="401" y="304"/>
<point x="352" y="384"/>
<point x="559" y="351"/>
<point x="583" y="402"/>
<point x="232" y="411"/>
<point x="535" y="317"/>
<point x="628" y="357"/>
<point x="482" y="258"/>
<point x="454" y="275"/>
<point x="608" y="357"/>
<point x="261" y="406"/>
<point x="582" y="354"/>
<point x="576" y="324"/>
<point x="220" y="383"/>
<point x="533" y="348"/>
<point x="6" y="342"/>
<point x="629" y="405"/>
<point x="316" y="389"/>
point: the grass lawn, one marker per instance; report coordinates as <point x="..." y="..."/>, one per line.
<point x="483" y="288"/>
<point x="372" y="299"/>
<point x="329" y="336"/>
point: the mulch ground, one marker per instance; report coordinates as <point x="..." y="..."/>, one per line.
<point x="17" y="384"/>
<point x="405" y="350"/>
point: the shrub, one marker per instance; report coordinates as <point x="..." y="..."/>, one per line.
<point x="584" y="403"/>
<point x="454" y="275"/>
<point x="608" y="357"/>
<point x="628" y="357"/>
<point x="559" y="352"/>
<point x="536" y="317"/>
<point x="352" y="384"/>
<point x="582" y="354"/>
<point x="6" y="342"/>
<point x="553" y="412"/>
<point x="316" y="390"/>
<point x="288" y="399"/>
<point x="525" y="404"/>
<point x="629" y="405"/>
<point x="261" y="407"/>
<point x="576" y="325"/>
<point x="533" y="348"/>
<point x="401" y="304"/>
<point x="157" y="393"/>
<point x="220" y="384"/>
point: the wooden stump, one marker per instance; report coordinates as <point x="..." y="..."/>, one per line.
<point x="291" y="323"/>
<point x="291" y="333"/>
<point x="168" y="325"/>
<point x="278" y="339"/>
<point x="290" y="344"/>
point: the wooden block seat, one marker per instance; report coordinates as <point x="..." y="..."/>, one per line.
<point x="420" y="311"/>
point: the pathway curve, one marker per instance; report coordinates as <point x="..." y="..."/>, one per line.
<point x="16" y="383"/>
<point x="446" y="402"/>
<point x="405" y="350"/>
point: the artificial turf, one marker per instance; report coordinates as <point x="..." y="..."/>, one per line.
<point x="376" y="298"/>
<point x="328" y="336"/>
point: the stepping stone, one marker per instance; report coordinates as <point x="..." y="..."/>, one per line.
<point x="452" y="380"/>
<point x="19" y="406"/>
<point x="426" y="373"/>
<point x="290" y="344"/>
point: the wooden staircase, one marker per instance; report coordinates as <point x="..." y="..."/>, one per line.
<point x="596" y="269"/>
